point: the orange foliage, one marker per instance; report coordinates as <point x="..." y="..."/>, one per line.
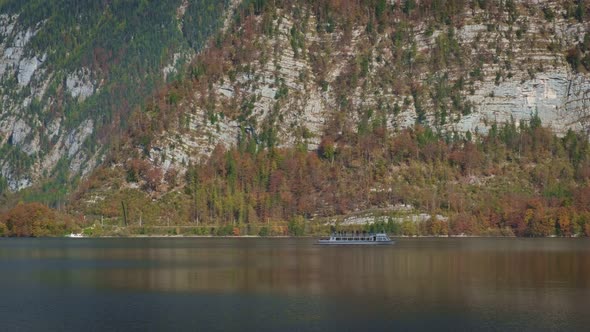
<point x="536" y="219"/>
<point x="33" y="219"/>
<point x="564" y="222"/>
<point x="437" y="227"/>
<point x="462" y="223"/>
<point x="153" y="178"/>
<point x="582" y="198"/>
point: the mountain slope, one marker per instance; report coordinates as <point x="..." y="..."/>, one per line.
<point x="72" y="71"/>
<point x="322" y="109"/>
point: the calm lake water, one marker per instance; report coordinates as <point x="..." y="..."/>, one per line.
<point x="199" y="284"/>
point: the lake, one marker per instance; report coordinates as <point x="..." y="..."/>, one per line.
<point x="250" y="284"/>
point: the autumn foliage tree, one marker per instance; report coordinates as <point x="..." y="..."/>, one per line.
<point x="33" y="219"/>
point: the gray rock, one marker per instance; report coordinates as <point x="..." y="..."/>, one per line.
<point x="20" y="131"/>
<point x="80" y="84"/>
<point x="26" y="69"/>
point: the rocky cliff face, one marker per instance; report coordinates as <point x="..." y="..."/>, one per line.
<point x="72" y="71"/>
<point x="296" y="80"/>
<point x="25" y="78"/>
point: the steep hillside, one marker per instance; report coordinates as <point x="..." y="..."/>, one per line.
<point x="294" y="72"/>
<point x="72" y="71"/>
<point x="323" y="109"/>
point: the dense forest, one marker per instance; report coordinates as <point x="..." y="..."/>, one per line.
<point x="520" y="179"/>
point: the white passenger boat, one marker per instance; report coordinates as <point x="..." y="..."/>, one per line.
<point x="356" y="238"/>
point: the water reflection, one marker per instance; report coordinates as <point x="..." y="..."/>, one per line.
<point x="548" y="276"/>
<point x="302" y="267"/>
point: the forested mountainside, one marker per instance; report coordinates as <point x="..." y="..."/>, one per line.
<point x="435" y="117"/>
<point x="296" y="71"/>
<point x="71" y="71"/>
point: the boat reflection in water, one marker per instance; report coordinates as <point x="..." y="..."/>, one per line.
<point x="339" y="238"/>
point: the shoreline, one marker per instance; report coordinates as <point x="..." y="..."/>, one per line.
<point x="143" y="236"/>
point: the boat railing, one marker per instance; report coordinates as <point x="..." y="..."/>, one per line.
<point x="355" y="236"/>
<point x="343" y="234"/>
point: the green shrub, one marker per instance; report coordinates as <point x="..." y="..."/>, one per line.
<point x="296" y="226"/>
<point x="225" y="230"/>
<point x="263" y="231"/>
<point x="549" y="13"/>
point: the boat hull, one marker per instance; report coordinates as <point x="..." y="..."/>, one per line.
<point x="346" y="243"/>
